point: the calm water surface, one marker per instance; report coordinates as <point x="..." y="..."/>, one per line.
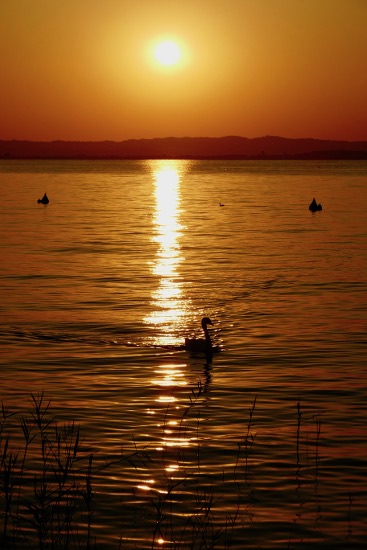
<point x="266" y="446"/>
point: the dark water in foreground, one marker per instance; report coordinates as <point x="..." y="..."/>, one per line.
<point x="263" y="448"/>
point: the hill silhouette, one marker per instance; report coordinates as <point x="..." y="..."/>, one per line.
<point x="229" y="147"/>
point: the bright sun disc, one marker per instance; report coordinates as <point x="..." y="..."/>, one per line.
<point x="167" y="53"/>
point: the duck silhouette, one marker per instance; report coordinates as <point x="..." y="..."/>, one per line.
<point x="44" y="200"/>
<point x="202" y="345"/>
<point x="314" y="207"/>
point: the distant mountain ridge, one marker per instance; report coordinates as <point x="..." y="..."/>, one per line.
<point x="228" y="147"/>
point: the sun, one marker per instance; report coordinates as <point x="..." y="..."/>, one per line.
<point x="167" y="53"/>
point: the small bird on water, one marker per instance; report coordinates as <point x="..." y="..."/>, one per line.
<point x="44" y="200"/>
<point x="314" y="207"/>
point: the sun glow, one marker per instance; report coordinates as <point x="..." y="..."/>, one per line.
<point x="167" y="53"/>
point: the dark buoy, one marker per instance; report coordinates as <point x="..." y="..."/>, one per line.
<point x="44" y="200"/>
<point x="314" y="207"/>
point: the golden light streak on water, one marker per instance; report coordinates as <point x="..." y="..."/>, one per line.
<point x="170" y="376"/>
<point x="172" y="468"/>
<point x="168" y="309"/>
<point x="166" y="399"/>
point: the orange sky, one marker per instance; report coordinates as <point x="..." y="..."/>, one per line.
<point x="85" y="69"/>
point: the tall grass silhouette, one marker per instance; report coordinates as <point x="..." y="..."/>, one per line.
<point x="48" y="473"/>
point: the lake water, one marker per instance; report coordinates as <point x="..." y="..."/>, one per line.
<point x="264" y="447"/>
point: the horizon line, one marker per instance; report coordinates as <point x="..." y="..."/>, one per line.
<point x="237" y="136"/>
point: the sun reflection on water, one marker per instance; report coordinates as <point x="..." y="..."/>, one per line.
<point x="170" y="376"/>
<point x="167" y="300"/>
<point x="166" y="321"/>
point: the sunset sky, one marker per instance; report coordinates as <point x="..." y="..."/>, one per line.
<point x="88" y="69"/>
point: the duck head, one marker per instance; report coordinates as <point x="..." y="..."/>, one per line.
<point x="205" y="321"/>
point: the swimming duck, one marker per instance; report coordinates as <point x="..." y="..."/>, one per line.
<point x="44" y="200"/>
<point x="201" y="345"/>
<point x="314" y="207"/>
